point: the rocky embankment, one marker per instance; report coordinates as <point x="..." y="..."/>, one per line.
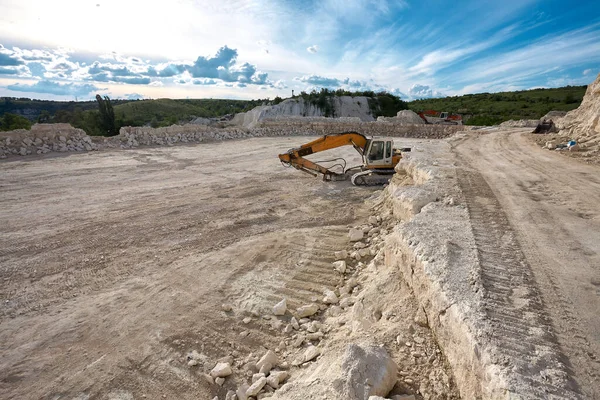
<point x="45" y="138"/>
<point x="341" y="107"/>
<point x="445" y="244"/>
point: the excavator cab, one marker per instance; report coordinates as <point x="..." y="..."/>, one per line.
<point x="380" y="154"/>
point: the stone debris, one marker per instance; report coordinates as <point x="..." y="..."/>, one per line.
<point x="294" y="323"/>
<point x="219" y="381"/>
<point x="269" y="358"/>
<point x="340" y="266"/>
<point x="226" y="307"/>
<point x="256" y="387"/>
<point x="311" y="353"/>
<point x="230" y="395"/>
<point x="247" y="320"/>
<point x="280" y="308"/>
<point x="241" y="392"/>
<point x="370" y="364"/>
<point x="340" y="255"/>
<point x="355" y="235"/>
<point x="307" y="310"/>
<point x="257" y="376"/>
<point x="221" y="370"/>
<point x="330" y="297"/>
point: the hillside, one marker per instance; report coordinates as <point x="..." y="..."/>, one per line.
<point x="493" y="108"/>
<point x="477" y="109"/>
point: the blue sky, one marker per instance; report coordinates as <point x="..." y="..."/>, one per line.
<point x="67" y="49"/>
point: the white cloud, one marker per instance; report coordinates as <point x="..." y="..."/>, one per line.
<point x="587" y="71"/>
<point x="313" y="49"/>
<point x="418" y="91"/>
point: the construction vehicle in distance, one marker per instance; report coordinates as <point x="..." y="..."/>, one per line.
<point x="440" y="118"/>
<point x="378" y="155"/>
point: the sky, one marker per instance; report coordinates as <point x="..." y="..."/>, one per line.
<point x="250" y="49"/>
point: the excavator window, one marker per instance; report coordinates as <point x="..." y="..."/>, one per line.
<point x="376" y="152"/>
<point x="388" y="149"/>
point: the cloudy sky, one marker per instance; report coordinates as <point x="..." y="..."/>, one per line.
<point x="68" y="49"/>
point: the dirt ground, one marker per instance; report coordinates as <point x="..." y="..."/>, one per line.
<point x="551" y="202"/>
<point x="114" y="264"/>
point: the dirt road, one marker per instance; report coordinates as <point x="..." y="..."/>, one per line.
<point x="551" y="203"/>
<point x="115" y="264"/>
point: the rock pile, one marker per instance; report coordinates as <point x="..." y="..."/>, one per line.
<point x="583" y="123"/>
<point x="44" y="138"/>
<point x="404" y="117"/>
<point x="521" y="123"/>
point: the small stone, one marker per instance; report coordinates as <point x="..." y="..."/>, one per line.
<point x="419" y="340"/>
<point x="226" y="307"/>
<point x="355" y="235"/>
<point x="230" y="395"/>
<point x="364" y="252"/>
<point x="241" y="392"/>
<point x="294" y="323"/>
<point x="340" y="266"/>
<point x="373" y="220"/>
<point x="257" y="376"/>
<point x="270" y="357"/>
<point x="330" y="297"/>
<point x="247" y="320"/>
<point x="192" y="363"/>
<point x="340" y="255"/>
<point x="266" y="368"/>
<point x="311" y="353"/>
<point x="219" y="381"/>
<point x="221" y="370"/>
<point x="256" y="387"/>
<point x="359" y="245"/>
<point x="307" y="310"/>
<point x="421" y="318"/>
<point x="288" y="329"/>
<point x="280" y="308"/>
<point x="347" y="302"/>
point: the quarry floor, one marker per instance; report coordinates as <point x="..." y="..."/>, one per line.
<point x="115" y="264"/>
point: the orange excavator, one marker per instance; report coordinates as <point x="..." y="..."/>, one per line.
<point x="379" y="158"/>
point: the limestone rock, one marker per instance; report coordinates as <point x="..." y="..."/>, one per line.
<point x="280" y="308"/>
<point x="311" y="353"/>
<point x="370" y="364"/>
<point x="256" y="387"/>
<point x="221" y="370"/>
<point x="269" y="358"/>
<point x="340" y="255"/>
<point x="307" y="310"/>
<point x="340" y="266"/>
<point x="294" y="323"/>
<point x="355" y="235"/>
<point x="330" y="297"/>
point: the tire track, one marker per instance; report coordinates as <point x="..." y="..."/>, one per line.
<point x="511" y="293"/>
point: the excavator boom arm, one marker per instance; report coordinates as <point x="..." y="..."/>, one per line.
<point x="295" y="156"/>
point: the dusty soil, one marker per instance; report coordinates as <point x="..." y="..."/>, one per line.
<point x="551" y="203"/>
<point x="115" y="265"/>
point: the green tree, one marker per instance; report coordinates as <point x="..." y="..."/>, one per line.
<point x="107" y="116"/>
<point x="44" y="117"/>
<point x="13" y="121"/>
